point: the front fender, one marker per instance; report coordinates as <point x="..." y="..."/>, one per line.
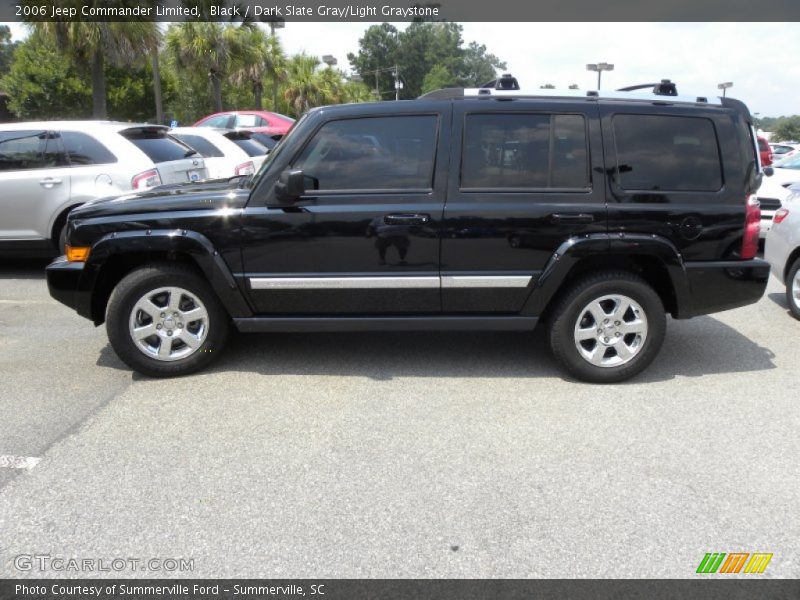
<point x="612" y="247"/>
<point x="159" y="242"/>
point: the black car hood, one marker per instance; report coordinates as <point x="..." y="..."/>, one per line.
<point x="206" y="195"/>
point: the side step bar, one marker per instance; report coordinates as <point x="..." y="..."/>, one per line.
<point x="430" y="323"/>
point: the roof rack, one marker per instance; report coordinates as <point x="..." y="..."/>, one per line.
<point x="507" y="87"/>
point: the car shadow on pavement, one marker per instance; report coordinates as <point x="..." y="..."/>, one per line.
<point x="700" y="346"/>
<point x="23" y="268"/>
<point x="779" y="298"/>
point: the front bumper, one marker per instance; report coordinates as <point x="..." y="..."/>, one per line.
<point x="64" y="284"/>
<point x="722" y="285"/>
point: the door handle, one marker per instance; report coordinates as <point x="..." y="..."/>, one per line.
<point x="406" y="219"/>
<point x="49" y="182"/>
<point x="572" y="218"/>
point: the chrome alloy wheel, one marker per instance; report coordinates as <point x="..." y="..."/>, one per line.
<point x="168" y="323"/>
<point x="610" y="331"/>
<point x="796" y="289"/>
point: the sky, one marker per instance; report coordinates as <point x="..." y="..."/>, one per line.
<point x="759" y="58"/>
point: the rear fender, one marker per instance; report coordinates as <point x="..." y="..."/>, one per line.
<point x="567" y="259"/>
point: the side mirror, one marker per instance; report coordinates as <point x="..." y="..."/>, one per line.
<point x="768" y="171"/>
<point x="290" y="186"/>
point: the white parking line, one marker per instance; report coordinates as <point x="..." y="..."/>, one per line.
<point x="9" y="461"/>
<point x="24" y="301"/>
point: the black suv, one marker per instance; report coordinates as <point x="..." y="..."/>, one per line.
<point x="486" y="208"/>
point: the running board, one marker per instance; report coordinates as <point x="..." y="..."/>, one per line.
<point x="440" y="323"/>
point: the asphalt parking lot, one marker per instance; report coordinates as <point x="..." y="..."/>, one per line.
<point x="399" y="455"/>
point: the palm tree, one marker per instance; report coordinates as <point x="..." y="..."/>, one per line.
<point x="205" y="47"/>
<point x="98" y="44"/>
<point x="259" y="56"/>
<point x="304" y="89"/>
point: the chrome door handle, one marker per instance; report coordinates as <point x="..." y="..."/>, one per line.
<point x="572" y="218"/>
<point x="406" y="219"/>
<point x="49" y="182"/>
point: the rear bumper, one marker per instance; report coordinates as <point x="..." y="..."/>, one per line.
<point x="722" y="285"/>
<point x="64" y="284"/>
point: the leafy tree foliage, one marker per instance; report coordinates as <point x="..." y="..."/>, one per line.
<point x="787" y="129"/>
<point x="426" y="54"/>
<point x="45" y="83"/>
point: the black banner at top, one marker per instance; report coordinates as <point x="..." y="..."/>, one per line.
<point x="400" y="10"/>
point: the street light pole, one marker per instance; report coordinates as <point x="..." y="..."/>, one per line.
<point x="724" y="86"/>
<point x="599" y="67"/>
<point x="273" y="25"/>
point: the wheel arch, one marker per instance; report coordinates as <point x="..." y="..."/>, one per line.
<point x="116" y="255"/>
<point x="654" y="259"/>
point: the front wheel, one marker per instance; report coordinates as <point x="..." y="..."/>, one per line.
<point x="608" y="327"/>
<point x="164" y="320"/>
<point x="793" y="289"/>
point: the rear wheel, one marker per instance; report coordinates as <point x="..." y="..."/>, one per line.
<point x="793" y="289"/>
<point x="164" y="320"/>
<point x="608" y="327"/>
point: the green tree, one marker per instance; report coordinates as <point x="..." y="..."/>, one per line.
<point x="44" y="83"/>
<point x="7" y="48"/>
<point x="787" y="129"/>
<point x="377" y="54"/>
<point x="438" y="77"/>
<point x="205" y="48"/>
<point x="426" y="54"/>
<point x="260" y="58"/>
<point x="304" y="89"/>
<point x="98" y="45"/>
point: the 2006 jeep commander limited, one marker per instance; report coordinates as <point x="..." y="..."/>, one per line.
<point x="486" y="208"/>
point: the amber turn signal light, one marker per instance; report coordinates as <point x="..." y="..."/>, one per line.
<point x="78" y="253"/>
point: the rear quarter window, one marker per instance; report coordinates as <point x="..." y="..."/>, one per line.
<point x="661" y="152"/>
<point x="157" y="145"/>
<point x="82" y="149"/>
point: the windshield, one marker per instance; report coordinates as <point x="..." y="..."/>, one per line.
<point x="276" y="151"/>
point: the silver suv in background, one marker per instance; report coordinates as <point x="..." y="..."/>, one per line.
<point x="48" y="168"/>
<point x="782" y="249"/>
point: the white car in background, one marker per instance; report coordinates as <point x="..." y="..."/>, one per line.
<point x="223" y="156"/>
<point x="781" y="150"/>
<point x="782" y="249"/>
<point x="774" y="189"/>
<point x="47" y="168"/>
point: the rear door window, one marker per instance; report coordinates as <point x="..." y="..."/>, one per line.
<point x="33" y="149"/>
<point x="659" y="152"/>
<point x="83" y="149"/>
<point x="157" y="145"/>
<point x="372" y="153"/>
<point x="515" y="151"/>
<point x="201" y="144"/>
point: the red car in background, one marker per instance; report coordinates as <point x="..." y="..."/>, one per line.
<point x="261" y="121"/>
<point x="765" y="151"/>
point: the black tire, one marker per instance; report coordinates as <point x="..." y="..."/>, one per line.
<point x="791" y="299"/>
<point x="151" y="278"/>
<point x="572" y="305"/>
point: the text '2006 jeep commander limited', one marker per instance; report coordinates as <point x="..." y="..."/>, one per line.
<point x="486" y="208"/>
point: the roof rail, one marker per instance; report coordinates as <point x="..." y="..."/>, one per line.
<point x="665" y="88"/>
<point x="507" y="87"/>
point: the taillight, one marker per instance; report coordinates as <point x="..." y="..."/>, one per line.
<point x="245" y="168"/>
<point x="780" y="215"/>
<point x="146" y="179"/>
<point x="752" y="227"/>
